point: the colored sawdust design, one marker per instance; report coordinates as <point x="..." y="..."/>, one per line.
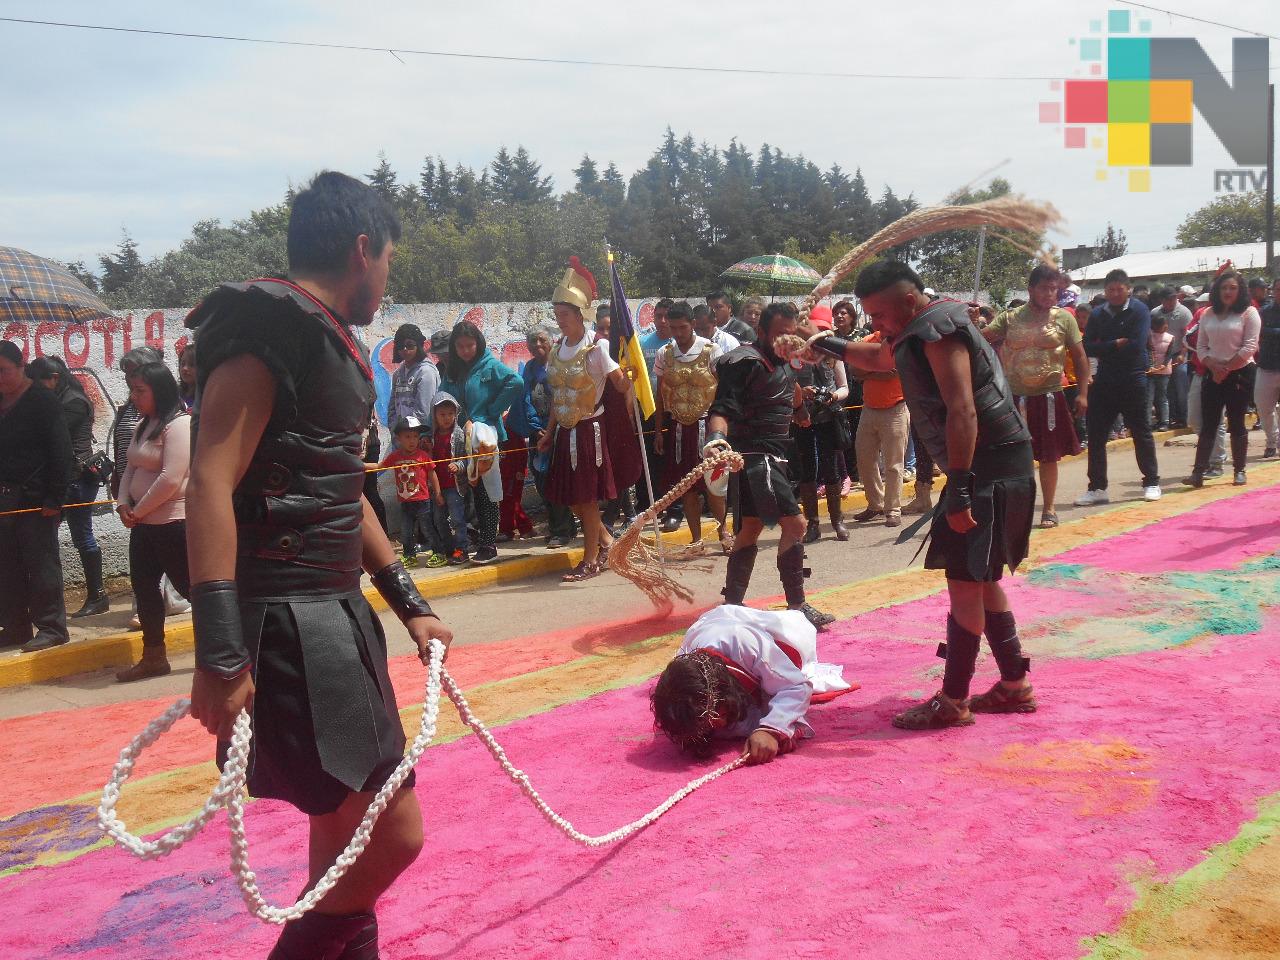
<point x="1151" y="611"/>
<point x="1227" y="906"/>
<point x="1097" y="779"/>
<point x="858" y="819"/>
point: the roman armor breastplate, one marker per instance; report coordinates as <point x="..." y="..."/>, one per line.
<point x="299" y="506"/>
<point x="688" y="387"/>
<point x="573" y="392"/>
<point x="1001" y="428"/>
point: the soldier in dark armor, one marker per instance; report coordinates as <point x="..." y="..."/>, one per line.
<point x="755" y="403"/>
<point x="963" y="411"/>
<point x="278" y="534"/>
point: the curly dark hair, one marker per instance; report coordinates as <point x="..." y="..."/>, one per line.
<point x="691" y="688"/>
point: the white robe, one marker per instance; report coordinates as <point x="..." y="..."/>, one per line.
<point x="774" y="652"/>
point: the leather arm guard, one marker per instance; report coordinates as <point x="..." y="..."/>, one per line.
<point x="400" y="592"/>
<point x="829" y="344"/>
<point x="219" y="630"/>
<point x="958" y="496"/>
<point x="716" y="442"/>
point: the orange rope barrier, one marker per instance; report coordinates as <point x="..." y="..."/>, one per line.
<point x="468" y="456"/>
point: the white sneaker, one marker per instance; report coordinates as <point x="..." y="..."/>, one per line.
<point x="1092" y="498"/>
<point x="1152" y="493"/>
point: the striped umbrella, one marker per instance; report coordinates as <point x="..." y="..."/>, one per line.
<point x="774" y="269"/>
<point x="35" y="290"/>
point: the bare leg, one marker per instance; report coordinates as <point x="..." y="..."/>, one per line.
<point x="395" y="843"/>
<point x="718" y="510"/>
<point x="1048" y="486"/>
<point x="594" y="537"/>
<point x="692" y="502"/>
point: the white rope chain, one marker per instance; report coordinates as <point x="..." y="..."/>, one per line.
<point x="229" y="793"/>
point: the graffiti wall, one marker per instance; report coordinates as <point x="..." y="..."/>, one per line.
<point x="93" y="352"/>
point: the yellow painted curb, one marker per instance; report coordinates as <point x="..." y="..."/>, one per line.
<point x="120" y="650"/>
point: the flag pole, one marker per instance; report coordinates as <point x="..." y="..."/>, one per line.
<point x="639" y="418"/>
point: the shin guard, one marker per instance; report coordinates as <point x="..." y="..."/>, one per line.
<point x="1002" y="635"/>
<point x="791" y="571"/>
<point x="961" y="653"/>
<point x="738" y="574"/>
<point x="320" y="936"/>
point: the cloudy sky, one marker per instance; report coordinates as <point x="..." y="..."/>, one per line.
<point x="111" y="130"/>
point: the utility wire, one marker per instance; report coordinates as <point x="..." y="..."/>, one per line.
<point x="1187" y="16"/>
<point x="507" y="58"/>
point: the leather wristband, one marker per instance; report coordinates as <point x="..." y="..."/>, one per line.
<point x="400" y="592"/>
<point x="831" y="345"/>
<point x="219" y="629"/>
<point x="958" y="496"/>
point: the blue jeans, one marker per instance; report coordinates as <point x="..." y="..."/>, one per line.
<point x="1158" y="397"/>
<point x="80" y="519"/>
<point x="414" y="514"/>
<point x="452" y="514"/>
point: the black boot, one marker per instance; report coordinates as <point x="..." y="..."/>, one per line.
<point x="809" y="500"/>
<point x="320" y="936"/>
<point x="792" y="571"/>
<point x="836" y="511"/>
<point x="364" y="945"/>
<point x="738" y="575"/>
<point x="95" y="601"/>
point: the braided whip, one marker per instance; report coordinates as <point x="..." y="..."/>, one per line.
<point x="230" y="789"/>
<point x="632" y="557"/>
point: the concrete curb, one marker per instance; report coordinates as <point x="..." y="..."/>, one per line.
<point x="120" y="650"/>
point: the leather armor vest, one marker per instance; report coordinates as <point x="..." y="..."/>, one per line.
<point x="688" y="387"/>
<point x="573" y="392"/>
<point x="299" y="505"/>
<point x="1004" y="443"/>
<point x="766" y="401"/>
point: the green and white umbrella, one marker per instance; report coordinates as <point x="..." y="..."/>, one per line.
<point x="774" y="269"/>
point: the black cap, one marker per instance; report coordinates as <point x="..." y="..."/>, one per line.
<point x="407" y="423"/>
<point x="440" y="342"/>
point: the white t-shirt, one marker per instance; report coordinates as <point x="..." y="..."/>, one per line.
<point x="725" y="341"/>
<point x="599" y="363"/>
<point x="695" y="351"/>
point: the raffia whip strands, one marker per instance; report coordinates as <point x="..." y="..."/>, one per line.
<point x="634" y="558"/>
<point x="1011" y="213"/>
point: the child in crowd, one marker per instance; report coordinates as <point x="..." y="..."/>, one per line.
<point x="416" y="486"/>
<point x="450" y="503"/>
<point x="744" y="673"/>
<point x="1160" y="372"/>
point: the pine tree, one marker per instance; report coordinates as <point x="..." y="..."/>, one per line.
<point x="1111" y="244"/>
<point x="586" y="180"/>
<point x="383" y="179"/>
<point x="121" y="268"/>
<point x="862" y="213"/>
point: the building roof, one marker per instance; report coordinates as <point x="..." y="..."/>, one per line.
<point x="1173" y="263"/>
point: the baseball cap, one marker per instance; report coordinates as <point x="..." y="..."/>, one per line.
<point x="439" y="342"/>
<point x="408" y="423"/>
<point x="1187" y="290"/>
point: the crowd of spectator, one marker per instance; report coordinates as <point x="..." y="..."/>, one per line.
<point x="467" y="432"/>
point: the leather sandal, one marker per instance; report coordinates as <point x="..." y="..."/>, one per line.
<point x="1000" y="699"/>
<point x="583" y="571"/>
<point x="936" y="713"/>
<point x="1048" y="521"/>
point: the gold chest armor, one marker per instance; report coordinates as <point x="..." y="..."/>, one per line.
<point x="688" y="388"/>
<point x="573" y="392"/>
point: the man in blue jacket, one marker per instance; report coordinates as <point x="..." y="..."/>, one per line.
<point x="1117" y="335"/>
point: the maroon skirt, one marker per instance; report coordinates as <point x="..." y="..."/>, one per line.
<point x="588" y="478"/>
<point x="681" y="453"/>
<point x="1053" y="431"/>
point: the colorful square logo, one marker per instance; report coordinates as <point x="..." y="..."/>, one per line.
<point x="1141" y="94"/>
